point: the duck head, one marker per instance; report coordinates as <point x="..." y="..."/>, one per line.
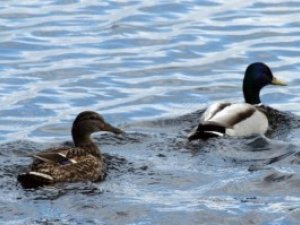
<point x="88" y="122"/>
<point x="257" y="75"/>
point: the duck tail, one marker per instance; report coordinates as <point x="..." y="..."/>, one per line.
<point x="34" y="179"/>
<point x="206" y="130"/>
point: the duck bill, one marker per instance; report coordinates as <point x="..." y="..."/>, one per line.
<point x="276" y="81"/>
<point x="110" y="128"/>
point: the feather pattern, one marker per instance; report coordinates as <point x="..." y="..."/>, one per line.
<point x="70" y="164"/>
<point x="239" y="119"/>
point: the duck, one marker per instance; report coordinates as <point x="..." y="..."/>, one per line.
<point x="83" y="162"/>
<point x="239" y="119"/>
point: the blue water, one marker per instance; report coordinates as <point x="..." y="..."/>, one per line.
<point x="143" y="65"/>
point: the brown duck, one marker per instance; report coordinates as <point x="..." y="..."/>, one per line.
<point x="71" y="164"/>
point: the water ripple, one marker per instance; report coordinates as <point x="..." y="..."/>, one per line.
<point x="144" y="60"/>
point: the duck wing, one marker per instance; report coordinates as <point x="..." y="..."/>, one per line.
<point x="233" y="115"/>
<point x="242" y="119"/>
<point x="239" y="119"/>
<point x="62" y="156"/>
<point x="214" y="109"/>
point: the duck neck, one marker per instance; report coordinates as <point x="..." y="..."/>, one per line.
<point x="251" y="93"/>
<point x="252" y="98"/>
<point x="84" y="141"/>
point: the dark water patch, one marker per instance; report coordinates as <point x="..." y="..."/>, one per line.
<point x="179" y="124"/>
<point x="20" y="148"/>
<point x="296" y="158"/>
<point x="277" y="177"/>
<point x="154" y="170"/>
<point x="122" y="139"/>
<point x="280" y="123"/>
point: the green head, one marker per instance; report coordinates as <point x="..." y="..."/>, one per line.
<point x="257" y="75"/>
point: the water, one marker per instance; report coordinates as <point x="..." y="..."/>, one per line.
<point x="148" y="66"/>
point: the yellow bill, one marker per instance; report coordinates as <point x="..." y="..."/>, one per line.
<point x="276" y="81"/>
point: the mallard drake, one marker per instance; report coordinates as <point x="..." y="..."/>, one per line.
<point x="70" y="164"/>
<point x="239" y="119"/>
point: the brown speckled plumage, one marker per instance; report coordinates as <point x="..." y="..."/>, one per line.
<point x="70" y="164"/>
<point x="87" y="167"/>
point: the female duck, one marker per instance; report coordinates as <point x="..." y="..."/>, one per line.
<point x="70" y="164"/>
<point x="239" y="119"/>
